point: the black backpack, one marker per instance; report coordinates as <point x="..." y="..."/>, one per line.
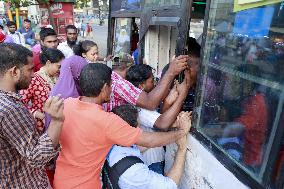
<point x="110" y="175"/>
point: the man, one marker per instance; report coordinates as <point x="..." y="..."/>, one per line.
<point x="67" y="47"/>
<point x="28" y="33"/>
<point x="141" y="76"/>
<point x="124" y="169"/>
<point x="48" y="39"/>
<point x="125" y="92"/>
<point x="17" y="37"/>
<point x="89" y="132"/>
<point x="23" y="152"/>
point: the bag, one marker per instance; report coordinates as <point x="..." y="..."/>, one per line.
<point x="110" y="175"/>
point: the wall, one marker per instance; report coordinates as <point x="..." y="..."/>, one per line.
<point x="202" y="169"/>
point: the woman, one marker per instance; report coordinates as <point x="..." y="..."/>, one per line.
<point x="43" y="81"/>
<point x="68" y="82"/>
<point x="88" y="50"/>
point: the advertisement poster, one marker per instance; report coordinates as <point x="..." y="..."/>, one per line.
<point x="240" y="5"/>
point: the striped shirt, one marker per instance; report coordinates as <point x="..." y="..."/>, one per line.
<point x="23" y="152"/>
<point x="123" y="92"/>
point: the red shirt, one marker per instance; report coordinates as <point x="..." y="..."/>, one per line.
<point x="36" y="60"/>
<point x="123" y="92"/>
<point x="36" y="95"/>
<point x="255" y="120"/>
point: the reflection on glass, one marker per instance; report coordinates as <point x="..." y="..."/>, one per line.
<point x="237" y="114"/>
<point x="160" y="3"/>
<point x="119" y="5"/>
<point x="122" y="35"/>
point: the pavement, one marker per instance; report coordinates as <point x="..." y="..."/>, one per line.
<point x="99" y="36"/>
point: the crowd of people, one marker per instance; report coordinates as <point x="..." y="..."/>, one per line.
<point x="68" y="121"/>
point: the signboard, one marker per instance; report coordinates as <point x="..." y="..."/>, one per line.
<point x="240" y="5"/>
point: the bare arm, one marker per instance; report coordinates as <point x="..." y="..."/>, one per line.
<point x="157" y="139"/>
<point x="153" y="99"/>
<point x="169" y="117"/>
<point x="177" y="169"/>
<point x="54" y="107"/>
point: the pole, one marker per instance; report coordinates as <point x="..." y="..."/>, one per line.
<point x="17" y="18"/>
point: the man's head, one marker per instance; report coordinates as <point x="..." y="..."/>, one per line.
<point x="95" y="81"/>
<point x="121" y="63"/>
<point x="194" y="57"/>
<point x="27" y="24"/>
<point x="16" y="66"/>
<point x="128" y="113"/>
<point x="48" y="38"/>
<point x="71" y="34"/>
<point x="141" y="76"/>
<point x="11" y="27"/>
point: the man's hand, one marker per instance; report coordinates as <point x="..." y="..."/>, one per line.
<point x="178" y="64"/>
<point x="184" y="121"/>
<point x="54" y="107"/>
<point x="185" y="85"/>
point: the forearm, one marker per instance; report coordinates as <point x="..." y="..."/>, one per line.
<point x="54" y="131"/>
<point x="168" y="118"/>
<point x="177" y="169"/>
<point x="158" y="139"/>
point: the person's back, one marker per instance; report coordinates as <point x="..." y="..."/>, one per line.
<point x="88" y="134"/>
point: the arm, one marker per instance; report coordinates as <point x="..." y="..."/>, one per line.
<point x="169" y="117"/>
<point x="157" y="139"/>
<point x="54" y="107"/>
<point x="19" y="130"/>
<point x="153" y="99"/>
<point x="177" y="169"/>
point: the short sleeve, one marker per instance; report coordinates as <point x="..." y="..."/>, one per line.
<point x="147" y="118"/>
<point x="127" y="91"/>
<point x="120" y="133"/>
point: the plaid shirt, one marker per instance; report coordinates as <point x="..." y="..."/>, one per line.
<point x="23" y="152"/>
<point x="123" y="92"/>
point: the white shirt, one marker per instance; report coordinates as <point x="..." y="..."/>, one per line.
<point x="147" y="121"/>
<point x="18" y="38"/>
<point x="65" y="49"/>
<point x="138" y="176"/>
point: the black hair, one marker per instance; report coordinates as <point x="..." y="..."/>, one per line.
<point x="53" y="55"/>
<point x="83" y="47"/>
<point x="70" y="27"/>
<point x="1" y="27"/>
<point x="138" y="74"/>
<point x="45" y="32"/>
<point x="128" y="113"/>
<point x="11" y="23"/>
<point x="27" y="20"/>
<point x="11" y="55"/>
<point x="193" y="47"/>
<point x="93" y="77"/>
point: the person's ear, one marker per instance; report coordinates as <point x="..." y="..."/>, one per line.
<point x="141" y="86"/>
<point x="84" y="55"/>
<point x="14" y="73"/>
<point x="48" y="63"/>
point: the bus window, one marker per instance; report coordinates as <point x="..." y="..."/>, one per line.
<point x="160" y="3"/>
<point x="122" y="35"/>
<point x="241" y="87"/>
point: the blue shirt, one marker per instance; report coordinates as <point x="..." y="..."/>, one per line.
<point x="27" y="34"/>
<point x="138" y="176"/>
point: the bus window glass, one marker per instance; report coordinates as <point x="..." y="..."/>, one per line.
<point x="160" y="3"/>
<point x="242" y="83"/>
<point x="120" y="5"/>
<point x="122" y="35"/>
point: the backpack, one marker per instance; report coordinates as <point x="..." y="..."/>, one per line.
<point x="110" y="175"/>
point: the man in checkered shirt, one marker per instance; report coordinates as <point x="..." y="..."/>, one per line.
<point x="23" y="152"/>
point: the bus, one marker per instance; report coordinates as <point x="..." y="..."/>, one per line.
<point x="237" y="137"/>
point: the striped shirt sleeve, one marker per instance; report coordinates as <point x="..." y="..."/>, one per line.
<point x="19" y="129"/>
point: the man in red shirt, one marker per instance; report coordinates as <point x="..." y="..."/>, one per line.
<point x="48" y="39"/>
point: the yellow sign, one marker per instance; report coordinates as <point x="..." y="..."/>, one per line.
<point x="240" y="5"/>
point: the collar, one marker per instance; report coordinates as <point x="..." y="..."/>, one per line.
<point x="10" y="94"/>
